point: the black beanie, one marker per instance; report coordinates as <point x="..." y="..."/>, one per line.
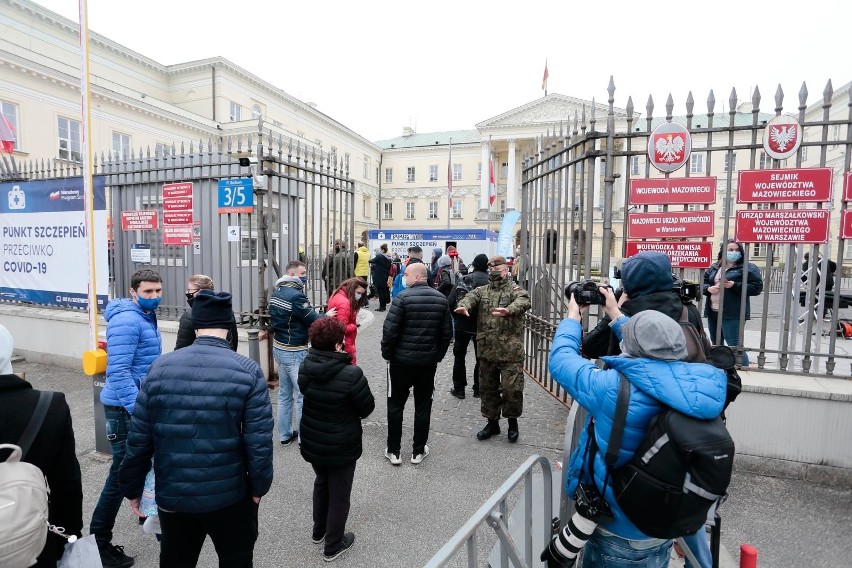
<point x="480" y="262"/>
<point x="646" y="273"/>
<point x="212" y="310"/>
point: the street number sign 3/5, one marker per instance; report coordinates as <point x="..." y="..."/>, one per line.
<point x="236" y="195"/>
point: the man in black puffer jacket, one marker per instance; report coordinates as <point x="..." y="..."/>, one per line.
<point x="415" y="338"/>
<point x="336" y="399"/>
<point x="203" y="414"/>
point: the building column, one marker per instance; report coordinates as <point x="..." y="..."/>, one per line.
<point x="512" y="178"/>
<point x="483" y="196"/>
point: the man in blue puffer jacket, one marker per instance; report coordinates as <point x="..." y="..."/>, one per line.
<point x="133" y="343"/>
<point x="203" y="413"/>
<point x="653" y="346"/>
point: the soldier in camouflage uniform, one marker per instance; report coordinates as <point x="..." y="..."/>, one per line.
<point x="500" y="310"/>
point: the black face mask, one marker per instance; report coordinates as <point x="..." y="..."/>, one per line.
<point x="190" y="299"/>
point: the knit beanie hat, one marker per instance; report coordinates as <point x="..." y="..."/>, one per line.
<point x="480" y="262"/>
<point x="646" y="273"/>
<point x="6" y="346"/>
<point x="212" y="310"/>
<point x="445" y="260"/>
<point x="661" y="337"/>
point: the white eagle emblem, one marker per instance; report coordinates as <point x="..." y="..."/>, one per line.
<point x="783" y="136"/>
<point x="669" y="148"/>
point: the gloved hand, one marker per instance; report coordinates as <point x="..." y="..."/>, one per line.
<point x="554" y="558"/>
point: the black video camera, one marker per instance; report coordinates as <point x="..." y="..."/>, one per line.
<point x="585" y="293"/>
<point x="688" y="291"/>
<point x="591" y="504"/>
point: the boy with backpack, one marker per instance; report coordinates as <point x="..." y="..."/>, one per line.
<point x="647" y="389"/>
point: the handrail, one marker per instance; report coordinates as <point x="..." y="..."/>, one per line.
<point x="493" y="511"/>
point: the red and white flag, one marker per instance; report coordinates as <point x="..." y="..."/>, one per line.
<point x="492" y="189"/>
<point x="7" y="136"/>
<point x="544" y="79"/>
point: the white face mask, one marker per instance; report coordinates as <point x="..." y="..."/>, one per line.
<point x="357" y="296"/>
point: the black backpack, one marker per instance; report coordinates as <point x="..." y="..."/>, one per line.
<point x="681" y="469"/>
<point x="460" y="290"/>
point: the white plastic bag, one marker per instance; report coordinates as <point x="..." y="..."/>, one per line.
<point x="82" y="553"/>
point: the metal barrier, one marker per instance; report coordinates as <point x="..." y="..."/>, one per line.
<point x="494" y="513"/>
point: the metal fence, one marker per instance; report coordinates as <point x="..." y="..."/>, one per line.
<point x="571" y="211"/>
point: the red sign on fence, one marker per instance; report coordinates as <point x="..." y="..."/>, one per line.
<point x="177" y="235"/>
<point x="670" y="224"/>
<point x="177" y="217"/>
<point x="683" y="254"/>
<point x="846" y="224"/>
<point x="847" y="187"/>
<point x="784" y="186"/>
<point x="173" y="190"/>
<point x="673" y="191"/>
<point x="139" y="220"/>
<point x="177" y="213"/>
<point x="782" y="226"/>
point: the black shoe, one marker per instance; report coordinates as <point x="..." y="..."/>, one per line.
<point x="381" y="309"/>
<point x="345" y="544"/>
<point x="512" y="433"/>
<point x="491" y="429"/>
<point x="459" y="394"/>
<point x="113" y="556"/>
<point x="475" y="392"/>
<point x="294" y="437"/>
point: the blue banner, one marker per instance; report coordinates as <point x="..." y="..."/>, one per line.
<point x="507" y="233"/>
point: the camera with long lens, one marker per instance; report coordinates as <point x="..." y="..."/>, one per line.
<point x="688" y="291"/>
<point x="585" y="293"/>
<point x="591" y="504"/>
<point x="592" y="509"/>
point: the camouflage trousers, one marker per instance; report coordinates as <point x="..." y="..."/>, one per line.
<point x="501" y="388"/>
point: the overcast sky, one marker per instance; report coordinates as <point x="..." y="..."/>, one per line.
<point x="378" y="65"/>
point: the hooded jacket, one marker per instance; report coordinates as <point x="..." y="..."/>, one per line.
<point x="362" y="262"/>
<point x="348" y="317"/>
<point x="133" y="343"/>
<point x="290" y="314"/>
<point x="694" y="389"/>
<point x="731" y="307"/>
<point x="417" y="329"/>
<point x="336" y="399"/>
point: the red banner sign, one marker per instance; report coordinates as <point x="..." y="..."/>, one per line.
<point x="177" y="214"/>
<point x="846" y="224"/>
<point x="177" y="217"/>
<point x="173" y="190"/>
<point x="676" y="191"/>
<point x="139" y="220"/>
<point x="670" y="224"/>
<point x="177" y="235"/>
<point x="683" y="254"/>
<point x="847" y="187"/>
<point x="782" y="226"/>
<point x="784" y="186"/>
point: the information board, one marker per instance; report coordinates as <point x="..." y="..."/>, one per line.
<point x="782" y="226"/>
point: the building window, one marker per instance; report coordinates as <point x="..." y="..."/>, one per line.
<point x="388" y="210"/>
<point x="457" y="208"/>
<point x="634" y="165"/>
<point x="433" y="209"/>
<point x="479" y="171"/>
<point x="255" y="111"/>
<point x="409" y="210"/>
<point x="696" y="164"/>
<point x="10" y="113"/>
<point x="433" y="173"/>
<point x="457" y="172"/>
<point x="835" y="134"/>
<point x="730" y="163"/>
<point x="164" y="150"/>
<point x="728" y="207"/>
<point x="235" y="112"/>
<point x="378" y="209"/>
<point x="410" y="174"/>
<point x="365" y="207"/>
<point x="765" y="161"/>
<point x="120" y="146"/>
<point x="504" y="170"/>
<point x="758" y="250"/>
<point x="502" y="206"/>
<point x="366" y="167"/>
<point x="602" y="169"/>
<point x="660" y="208"/>
<point x="694" y="207"/>
<point x="388" y="175"/>
<point x="69" y="140"/>
<point x="377" y="175"/>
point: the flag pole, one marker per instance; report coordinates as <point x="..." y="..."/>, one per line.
<point x="450" y="184"/>
<point x="490" y="181"/>
<point x="88" y="188"/>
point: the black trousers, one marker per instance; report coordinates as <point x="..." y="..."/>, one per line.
<point x="232" y="529"/>
<point x="383" y="293"/>
<point x="401" y="379"/>
<point x="332" y="489"/>
<point x="463" y="339"/>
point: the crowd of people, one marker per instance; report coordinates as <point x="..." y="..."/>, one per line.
<point x="197" y="423"/>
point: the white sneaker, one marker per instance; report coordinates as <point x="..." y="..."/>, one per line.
<point x="419" y="457"/>
<point x="393" y="458"/>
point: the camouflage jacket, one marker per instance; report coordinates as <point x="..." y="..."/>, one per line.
<point x="499" y="338"/>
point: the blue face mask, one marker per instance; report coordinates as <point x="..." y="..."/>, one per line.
<point x="149" y="304"/>
<point x="733" y="255"/>
<point x="304" y="280"/>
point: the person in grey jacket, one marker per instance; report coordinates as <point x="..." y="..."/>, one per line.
<point x="415" y="338"/>
<point x="203" y="414"/>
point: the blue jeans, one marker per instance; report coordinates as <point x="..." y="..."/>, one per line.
<point x="103" y="518"/>
<point x="610" y="551"/>
<point x="730" y="333"/>
<point x="288" y="390"/>
<point x="699" y="545"/>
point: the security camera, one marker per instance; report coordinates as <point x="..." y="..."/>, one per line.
<point x="249" y="161"/>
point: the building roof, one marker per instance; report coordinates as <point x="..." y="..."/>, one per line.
<point x="720" y="120"/>
<point x="431" y="139"/>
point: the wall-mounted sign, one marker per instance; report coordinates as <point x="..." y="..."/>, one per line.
<point x="139" y="220"/>
<point x="782" y="226"/>
<point x="683" y="254"/>
<point x="673" y="190"/>
<point x="669" y="146"/>
<point x="782" y="137"/>
<point x="236" y="196"/>
<point x="140" y="253"/>
<point x="784" y="186"/>
<point x="670" y="224"/>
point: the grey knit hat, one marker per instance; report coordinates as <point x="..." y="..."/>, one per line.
<point x="653" y="335"/>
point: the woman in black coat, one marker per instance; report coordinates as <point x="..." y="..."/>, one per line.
<point x="336" y="399"/>
<point x="186" y="333"/>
